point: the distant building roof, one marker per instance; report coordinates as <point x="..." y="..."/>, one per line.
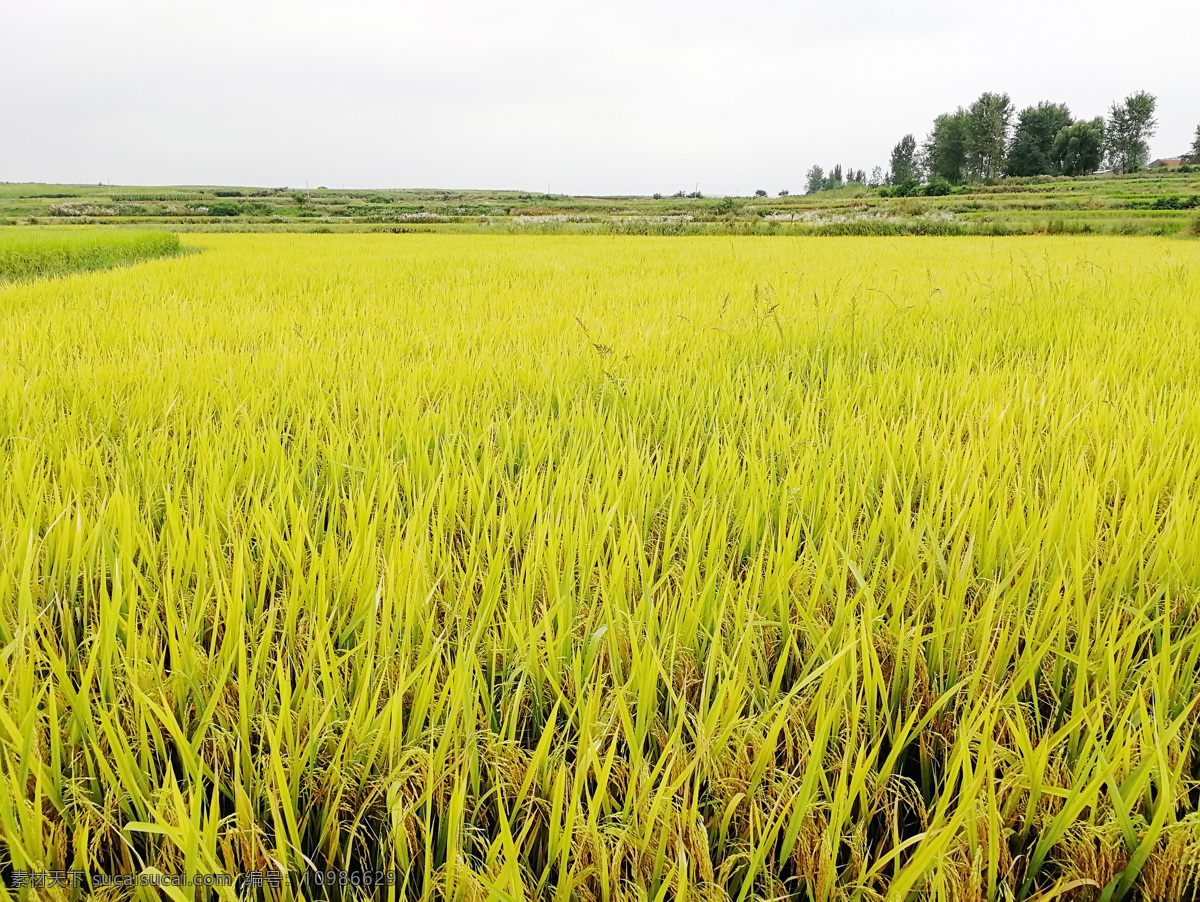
<point x="1173" y="161"/>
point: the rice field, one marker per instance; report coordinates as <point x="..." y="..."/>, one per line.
<point x="608" y="568"/>
<point x="27" y="254"/>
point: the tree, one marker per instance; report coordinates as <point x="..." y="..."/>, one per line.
<point x="1078" y="149"/>
<point x="1193" y="155"/>
<point x="1130" y="126"/>
<point x="904" y="160"/>
<point x="877" y="176"/>
<point x="988" y="121"/>
<point x="784" y="193"/>
<point x="946" y="147"/>
<point x="814" y="180"/>
<point x="835" y="178"/>
<point x="1033" y="139"/>
<point x="761" y="192"/>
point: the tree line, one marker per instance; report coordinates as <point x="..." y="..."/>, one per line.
<point x="818" y="180"/>
<point x="990" y="138"/>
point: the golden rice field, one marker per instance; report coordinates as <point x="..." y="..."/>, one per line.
<point x="602" y="568"/>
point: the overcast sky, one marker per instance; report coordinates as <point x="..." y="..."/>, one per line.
<point x="618" y="96"/>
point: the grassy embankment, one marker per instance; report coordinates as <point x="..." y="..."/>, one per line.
<point x="1157" y="202"/>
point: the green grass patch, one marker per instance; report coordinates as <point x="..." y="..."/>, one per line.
<point x="27" y="255"/>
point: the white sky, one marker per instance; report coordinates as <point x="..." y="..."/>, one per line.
<point x="619" y="96"/>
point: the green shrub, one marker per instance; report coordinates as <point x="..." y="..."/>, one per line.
<point x="1060" y="226"/>
<point x="993" y="228"/>
<point x="1176" y="202"/>
<point x="907" y="188"/>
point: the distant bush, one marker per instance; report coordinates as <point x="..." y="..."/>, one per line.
<point x="993" y="228"/>
<point x="867" y="227"/>
<point x="224" y="209"/>
<point x="83" y="208"/>
<point x="908" y="188"/>
<point x="1177" y="202"/>
<point x="648" y="226"/>
<point x="166" y="196"/>
<point x="459" y="210"/>
<point x="937" y="188"/>
<point x="1060" y="226"/>
<point x="364" y="209"/>
<point x="379" y="213"/>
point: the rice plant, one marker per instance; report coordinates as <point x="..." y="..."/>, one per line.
<point x="27" y="254"/>
<point x="608" y="568"/>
